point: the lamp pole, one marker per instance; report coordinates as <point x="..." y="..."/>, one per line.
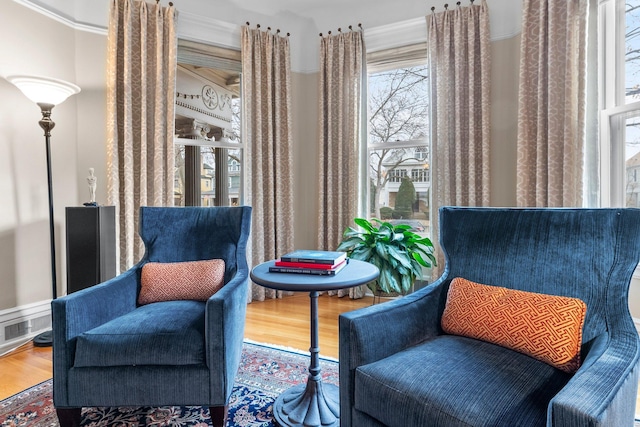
<point x="46" y="93"/>
<point x="47" y="124"/>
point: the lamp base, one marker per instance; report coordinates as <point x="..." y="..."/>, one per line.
<point x="44" y="339"/>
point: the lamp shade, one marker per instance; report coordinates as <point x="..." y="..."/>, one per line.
<point x="44" y="90"/>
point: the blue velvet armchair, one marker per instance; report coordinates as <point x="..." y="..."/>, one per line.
<point x="398" y="368"/>
<point x="171" y="353"/>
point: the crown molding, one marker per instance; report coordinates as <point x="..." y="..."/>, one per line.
<point x="61" y="18"/>
<point x="208" y="30"/>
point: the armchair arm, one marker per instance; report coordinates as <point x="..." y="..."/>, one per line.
<point x="224" y="334"/>
<point x="373" y="333"/>
<point x="81" y="311"/>
<point x="91" y="307"/>
<point x="603" y="390"/>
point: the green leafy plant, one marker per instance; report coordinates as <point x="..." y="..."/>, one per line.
<point x="399" y="253"/>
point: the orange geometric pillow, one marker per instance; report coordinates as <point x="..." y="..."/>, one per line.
<point x="191" y="280"/>
<point x="546" y="327"/>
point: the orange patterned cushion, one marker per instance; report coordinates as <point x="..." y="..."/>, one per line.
<point x="191" y="280"/>
<point x="546" y="327"/>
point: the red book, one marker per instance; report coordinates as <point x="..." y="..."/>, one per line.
<point x="280" y="263"/>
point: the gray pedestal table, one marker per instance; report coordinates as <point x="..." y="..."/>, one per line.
<point x="314" y="403"/>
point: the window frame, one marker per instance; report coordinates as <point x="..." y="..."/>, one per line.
<point x="377" y="63"/>
<point x="614" y="110"/>
<point x="227" y="59"/>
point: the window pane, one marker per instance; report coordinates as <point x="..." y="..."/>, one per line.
<point x="400" y="184"/>
<point x="234" y="159"/>
<point x="632" y="51"/>
<point x="220" y="184"/>
<point x="399" y="147"/>
<point x="632" y="158"/>
<point x="398" y="105"/>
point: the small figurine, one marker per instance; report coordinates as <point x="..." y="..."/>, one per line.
<point x="91" y="180"/>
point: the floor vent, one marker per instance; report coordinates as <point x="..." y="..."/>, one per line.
<point x="40" y="323"/>
<point x="16" y="330"/>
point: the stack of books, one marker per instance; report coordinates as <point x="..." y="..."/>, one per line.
<point x="326" y="263"/>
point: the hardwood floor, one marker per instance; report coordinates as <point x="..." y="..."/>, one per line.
<point x="283" y="322"/>
<point x="23" y="368"/>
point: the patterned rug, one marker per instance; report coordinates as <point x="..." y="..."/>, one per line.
<point x="264" y="373"/>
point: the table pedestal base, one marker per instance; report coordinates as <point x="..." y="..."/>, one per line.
<point x="313" y="404"/>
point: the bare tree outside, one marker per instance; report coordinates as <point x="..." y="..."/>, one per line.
<point x="398" y="132"/>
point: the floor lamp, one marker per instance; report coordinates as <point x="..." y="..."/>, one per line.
<point x="47" y="93"/>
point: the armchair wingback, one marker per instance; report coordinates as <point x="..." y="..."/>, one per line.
<point x="398" y="367"/>
<point x="111" y="351"/>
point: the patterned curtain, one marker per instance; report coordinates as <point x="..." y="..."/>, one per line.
<point x="141" y="73"/>
<point x="551" y="117"/>
<point x="342" y="71"/>
<point x="266" y="105"/>
<point x="460" y="72"/>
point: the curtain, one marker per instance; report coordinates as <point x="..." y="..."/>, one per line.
<point x="141" y="74"/>
<point x="552" y="107"/>
<point x="266" y="105"/>
<point x="460" y="72"/>
<point x="342" y="71"/>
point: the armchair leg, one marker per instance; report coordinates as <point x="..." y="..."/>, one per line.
<point x="69" y="417"/>
<point x="218" y="415"/>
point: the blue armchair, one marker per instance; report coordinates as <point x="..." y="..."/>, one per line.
<point x="398" y="368"/>
<point x="171" y="353"/>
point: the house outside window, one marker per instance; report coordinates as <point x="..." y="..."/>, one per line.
<point x="619" y="34"/>
<point x="398" y="144"/>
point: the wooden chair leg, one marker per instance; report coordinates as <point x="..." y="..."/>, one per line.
<point x="69" y="417"/>
<point x="218" y="415"/>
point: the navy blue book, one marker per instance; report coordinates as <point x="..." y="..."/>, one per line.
<point x="316" y="271"/>
<point x="314" y="257"/>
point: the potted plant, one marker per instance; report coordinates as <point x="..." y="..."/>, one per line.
<point x="398" y="252"/>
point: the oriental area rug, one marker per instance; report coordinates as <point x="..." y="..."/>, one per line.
<point x="264" y="373"/>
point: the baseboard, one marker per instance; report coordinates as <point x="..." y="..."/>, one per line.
<point x="18" y="325"/>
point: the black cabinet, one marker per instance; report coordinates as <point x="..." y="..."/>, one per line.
<point x="91" y="246"/>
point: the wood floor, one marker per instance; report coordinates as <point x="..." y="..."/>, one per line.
<point x="283" y="322"/>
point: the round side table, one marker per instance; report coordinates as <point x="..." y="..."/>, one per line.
<point x="314" y="403"/>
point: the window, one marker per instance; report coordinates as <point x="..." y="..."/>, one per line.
<point x="619" y="30"/>
<point x="398" y="145"/>
<point x="209" y="147"/>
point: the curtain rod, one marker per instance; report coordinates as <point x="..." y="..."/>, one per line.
<point x="268" y="28"/>
<point x="340" y="29"/>
<point x="446" y="6"/>
<point x="170" y="3"/>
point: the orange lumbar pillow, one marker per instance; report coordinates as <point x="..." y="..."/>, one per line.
<point x="546" y="327"/>
<point x="191" y="280"/>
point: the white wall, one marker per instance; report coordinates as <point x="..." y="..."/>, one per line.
<point x="33" y="44"/>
